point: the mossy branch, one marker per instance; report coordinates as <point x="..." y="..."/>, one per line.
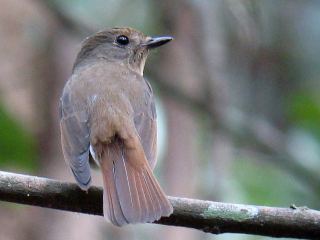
<point x="212" y="217"/>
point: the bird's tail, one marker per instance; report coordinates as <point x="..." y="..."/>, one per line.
<point x="131" y="192"/>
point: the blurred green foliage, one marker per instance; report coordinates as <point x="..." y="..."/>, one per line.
<point x="277" y="43"/>
<point x="17" y="145"/>
<point x="264" y="183"/>
<point x="304" y="111"/>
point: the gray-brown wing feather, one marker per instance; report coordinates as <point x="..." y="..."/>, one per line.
<point x="146" y="124"/>
<point x="75" y="139"/>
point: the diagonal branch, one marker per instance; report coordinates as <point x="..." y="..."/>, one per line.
<point x="212" y="217"/>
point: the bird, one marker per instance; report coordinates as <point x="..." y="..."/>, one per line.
<point x="108" y="114"/>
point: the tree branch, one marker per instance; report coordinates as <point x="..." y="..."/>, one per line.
<point x="212" y="217"/>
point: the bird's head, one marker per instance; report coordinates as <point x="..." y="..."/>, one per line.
<point x="125" y="45"/>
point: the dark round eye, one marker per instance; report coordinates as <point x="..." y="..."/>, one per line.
<point x="122" y="40"/>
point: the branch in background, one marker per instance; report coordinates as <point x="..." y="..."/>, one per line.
<point x="249" y="131"/>
<point x="211" y="217"/>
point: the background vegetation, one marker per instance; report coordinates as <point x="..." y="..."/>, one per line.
<point x="238" y="103"/>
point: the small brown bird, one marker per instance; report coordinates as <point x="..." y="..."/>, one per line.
<point x="108" y="113"/>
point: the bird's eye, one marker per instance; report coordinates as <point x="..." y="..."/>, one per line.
<point x="122" y="40"/>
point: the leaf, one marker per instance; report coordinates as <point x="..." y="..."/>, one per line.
<point x="17" y="145"/>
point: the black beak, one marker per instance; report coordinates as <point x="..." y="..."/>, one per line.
<point x="155" y="42"/>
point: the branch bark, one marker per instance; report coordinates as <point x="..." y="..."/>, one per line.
<point x="211" y="217"/>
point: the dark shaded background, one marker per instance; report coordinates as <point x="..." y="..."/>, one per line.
<point x="238" y="103"/>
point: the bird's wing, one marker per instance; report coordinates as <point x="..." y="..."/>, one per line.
<point x="146" y="124"/>
<point x="75" y="139"/>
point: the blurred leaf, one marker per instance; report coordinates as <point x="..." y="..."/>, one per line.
<point x="304" y="111"/>
<point x="17" y="146"/>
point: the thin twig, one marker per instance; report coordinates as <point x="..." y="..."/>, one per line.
<point x="212" y="217"/>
